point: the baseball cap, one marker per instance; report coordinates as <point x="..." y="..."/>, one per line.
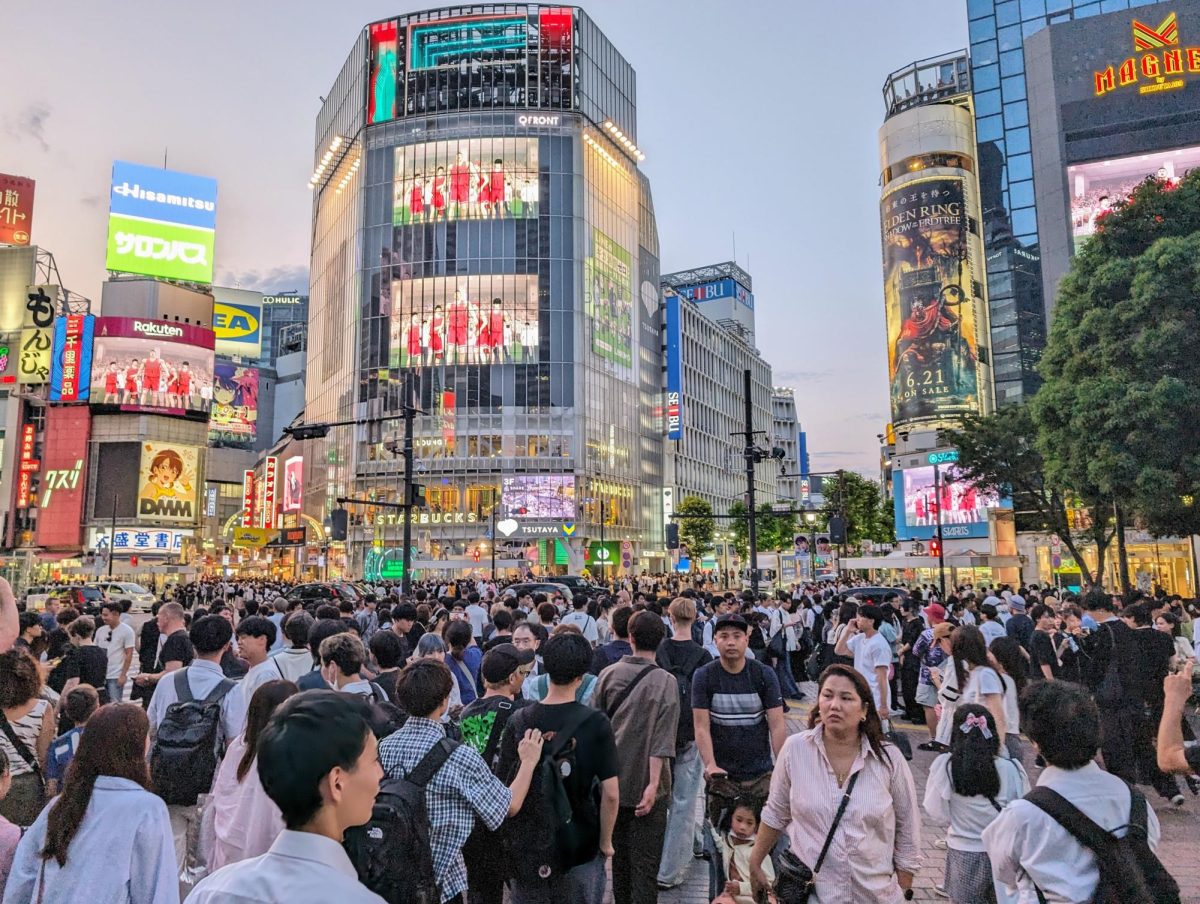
<point x="936" y="613"/>
<point x="942" y="629"/>
<point x="502" y="660"/>
<point x="732" y="620"/>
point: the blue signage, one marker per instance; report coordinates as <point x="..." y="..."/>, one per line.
<point x="71" y="358"/>
<point x="149" y="193"/>
<point x="721" y="288"/>
<point x="674" y="368"/>
<point x="947" y="456"/>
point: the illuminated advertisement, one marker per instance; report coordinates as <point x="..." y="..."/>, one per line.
<point x="293" y="483"/>
<point x="27" y="465"/>
<point x="237" y="323"/>
<point x="168" y="482"/>
<point x="464" y="320"/>
<point x="161" y="223"/>
<point x="467" y="179"/>
<point x="270" y="491"/>
<point x="16" y="209"/>
<point x="449" y="42"/>
<point x="155" y="366"/>
<point x="608" y="287"/>
<point x="138" y="542"/>
<point x="71" y="358"/>
<point x="37" y="334"/>
<point x="549" y="496"/>
<point x="964" y="508"/>
<point x="674" y="369"/>
<point x="718" y="289"/>
<point x="248" y="496"/>
<point x="1160" y="63"/>
<point x="1096" y="187"/>
<point x="61" y="484"/>
<point x="381" y="87"/>
<point x="931" y="301"/>
<point x="233" y="420"/>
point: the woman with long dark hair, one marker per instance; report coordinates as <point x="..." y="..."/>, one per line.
<point x="967" y="788"/>
<point x="26" y="730"/>
<point x="1013" y="662"/>
<point x="106" y="837"/>
<point x="974" y="677"/>
<point x="843" y="759"/>
<point x="245" y="820"/>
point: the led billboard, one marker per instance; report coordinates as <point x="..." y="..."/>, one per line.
<point x="464" y="320"/>
<point x="237" y="322"/>
<point x="1095" y="187"/>
<point x="381" y="93"/>
<point x="168" y="481"/>
<point x="293" y="483"/>
<point x="155" y="366"/>
<point x="71" y="358"/>
<point x="549" y="496"/>
<point x="16" y="209"/>
<point x="608" y="287"/>
<point x="476" y="178"/>
<point x="161" y="223"/>
<point x="464" y="39"/>
<point x="234" y="417"/>
<point x="674" y="368"/>
<point x="964" y="507"/>
<point x="931" y="299"/>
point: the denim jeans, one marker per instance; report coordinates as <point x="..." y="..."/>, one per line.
<point x="582" y="885"/>
<point x="679" y="843"/>
<point x="115" y="690"/>
<point x="787" y="681"/>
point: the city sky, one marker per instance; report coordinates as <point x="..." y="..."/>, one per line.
<point x="758" y="120"/>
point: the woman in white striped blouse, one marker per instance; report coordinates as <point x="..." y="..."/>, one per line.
<point x="874" y="850"/>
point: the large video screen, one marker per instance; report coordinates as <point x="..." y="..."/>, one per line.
<point x="234" y="417"/>
<point x="450" y="320"/>
<point x="467" y="179"/>
<point x="930" y="301"/>
<point x="154" y="366"/>
<point x="549" y="496"/>
<point x="1095" y="187"/>
<point x="964" y="507"/>
<point x="169" y="482"/>
<point x="608" y="287"/>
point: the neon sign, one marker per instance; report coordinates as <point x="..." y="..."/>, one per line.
<point x="1161" y="67"/>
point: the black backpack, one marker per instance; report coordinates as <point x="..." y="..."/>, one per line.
<point x="391" y="852"/>
<point x="1129" y="871"/>
<point x="683" y="672"/>
<point x="552" y="833"/>
<point x="187" y="743"/>
<point x="383" y="715"/>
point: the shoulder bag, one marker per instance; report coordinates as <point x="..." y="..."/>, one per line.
<point x="794" y="881"/>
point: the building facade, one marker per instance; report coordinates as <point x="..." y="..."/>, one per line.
<point x="786" y="435"/>
<point x="482" y="234"/>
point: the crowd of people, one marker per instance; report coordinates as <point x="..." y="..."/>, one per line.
<point x="463" y="744"/>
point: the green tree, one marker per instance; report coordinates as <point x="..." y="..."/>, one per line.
<point x="1117" y="412"/>
<point x="869" y="516"/>
<point x="774" y="532"/>
<point x="739" y="528"/>
<point x="696" y="533"/>
<point x="999" y="452"/>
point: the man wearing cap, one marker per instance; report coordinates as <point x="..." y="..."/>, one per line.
<point x="1019" y="625"/>
<point x="930" y="654"/>
<point x="503" y="669"/>
<point x="737" y="710"/>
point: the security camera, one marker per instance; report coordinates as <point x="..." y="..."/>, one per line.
<point x="778" y="454"/>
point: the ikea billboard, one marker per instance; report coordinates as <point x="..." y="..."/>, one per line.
<point x="237" y="322"/>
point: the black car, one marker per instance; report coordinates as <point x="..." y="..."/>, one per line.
<point x="317" y="594"/>
<point x="876" y="595"/>
<point x="549" y="588"/>
<point x="574" y="582"/>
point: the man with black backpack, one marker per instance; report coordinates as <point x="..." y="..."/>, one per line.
<point x="192" y="716"/>
<point x="558" y="843"/>
<point x="459" y="788"/>
<point x="680" y="655"/>
<point x="1081" y="834"/>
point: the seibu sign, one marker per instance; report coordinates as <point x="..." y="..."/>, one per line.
<point x="1162" y="63"/>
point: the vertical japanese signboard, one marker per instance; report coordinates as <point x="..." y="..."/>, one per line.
<point x="71" y="358"/>
<point x="16" y="209"/>
<point x="61" y="485"/>
<point x="269" y="491"/>
<point x="248" y="498"/>
<point x="37" y="338"/>
<point x="27" y="465"/>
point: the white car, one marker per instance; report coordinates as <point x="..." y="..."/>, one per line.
<point x="36" y="596"/>
<point x="140" y="599"/>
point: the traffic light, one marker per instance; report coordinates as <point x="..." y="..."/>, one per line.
<point x="339" y="524"/>
<point x="935" y="547"/>
<point x="416" y="495"/>
<point x="672" y="535"/>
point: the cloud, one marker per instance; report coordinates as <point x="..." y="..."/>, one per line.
<point x="93" y="201"/>
<point x="30" y="122"/>
<point x="278" y="279"/>
<point x="796" y="378"/>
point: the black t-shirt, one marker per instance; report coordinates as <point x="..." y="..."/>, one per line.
<point x="683" y="657"/>
<point x="497" y="639"/>
<point x="595" y="745"/>
<point x="480" y="719"/>
<point x="176" y="648"/>
<point x="1192" y="755"/>
<point x="89" y="664"/>
<point x="1042" y="653"/>
<point x="387" y="681"/>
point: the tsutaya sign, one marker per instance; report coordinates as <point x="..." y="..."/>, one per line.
<point x="1160" y="67"/>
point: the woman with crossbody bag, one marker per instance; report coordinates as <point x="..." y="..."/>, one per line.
<point x="845" y="798"/>
<point x="26" y="730"/>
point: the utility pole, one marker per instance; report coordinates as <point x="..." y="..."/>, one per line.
<point x="410" y="411"/>
<point x="601" y="553"/>
<point x="493" y="535"/>
<point x="750" y="454"/>
<point x="112" y="535"/>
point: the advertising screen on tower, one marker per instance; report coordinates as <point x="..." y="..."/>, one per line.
<point x="964" y="507"/>
<point x="381" y="89"/>
<point x="167" y="483"/>
<point x="161" y="223"/>
<point x="446" y="320"/>
<point x="1095" y="187"/>
<point x="155" y="366"/>
<point x="468" y="179"/>
<point x="608" y="288"/>
<point x="293" y="483"/>
<point x="234" y="417"/>
<point x="550" y="496"/>
<point x="931" y="300"/>
<point x="237" y="322"/>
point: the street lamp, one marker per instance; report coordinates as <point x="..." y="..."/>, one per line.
<point x="937" y="501"/>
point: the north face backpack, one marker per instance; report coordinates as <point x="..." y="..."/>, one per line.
<point x="391" y="852"/>
<point x="187" y="744"/>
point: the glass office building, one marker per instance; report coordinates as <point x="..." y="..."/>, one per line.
<point x="1016" y="295"/>
<point x="482" y="229"/>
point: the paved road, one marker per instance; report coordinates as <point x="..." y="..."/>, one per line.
<point x="1178" y="847"/>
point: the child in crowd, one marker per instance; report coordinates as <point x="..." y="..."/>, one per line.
<point x="734" y="847"/>
<point x="78" y="706"/>
<point x="967" y="788"/>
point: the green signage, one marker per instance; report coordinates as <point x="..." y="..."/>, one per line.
<point x="947" y="456"/>
<point x="166" y="250"/>
<point x="391" y="570"/>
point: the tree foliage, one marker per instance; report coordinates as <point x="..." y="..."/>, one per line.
<point x="1116" y="417"/>
<point x="775" y="532"/>
<point x="696" y="533"/>
<point x="869" y="515"/>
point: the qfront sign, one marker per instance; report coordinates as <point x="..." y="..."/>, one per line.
<point x="1159" y="62"/>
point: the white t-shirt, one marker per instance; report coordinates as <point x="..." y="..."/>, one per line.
<point x="980" y="682"/>
<point x="584" y="622"/>
<point x="114" y="642"/>
<point x="1012" y="708"/>
<point x="991" y="630"/>
<point x="478" y="617"/>
<point x="869" y="654"/>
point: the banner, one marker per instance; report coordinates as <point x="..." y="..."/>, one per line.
<point x="237" y="322"/>
<point x="607" y="276"/>
<point x="16" y="209"/>
<point x="71" y="358"/>
<point x="931" y="300"/>
<point x="293" y="483"/>
<point x="674" y="368"/>
<point x="168" y="490"/>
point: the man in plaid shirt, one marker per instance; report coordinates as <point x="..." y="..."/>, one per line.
<point x="464" y="788"/>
